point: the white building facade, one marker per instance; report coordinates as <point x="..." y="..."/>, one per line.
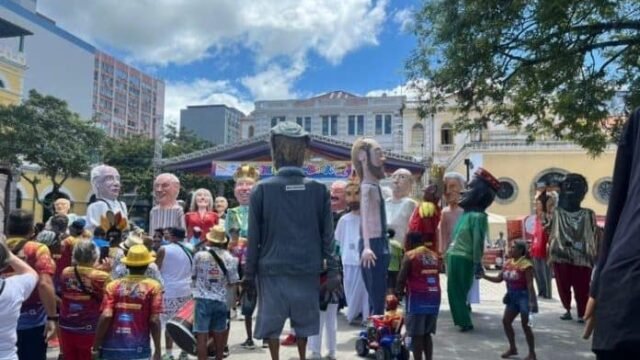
<point x="337" y="114"/>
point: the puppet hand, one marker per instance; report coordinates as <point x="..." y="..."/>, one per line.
<point x="589" y="317"/>
<point x="368" y="258"/>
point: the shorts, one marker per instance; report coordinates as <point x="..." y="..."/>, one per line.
<point x="421" y="324"/>
<point x="518" y="301"/>
<point x="292" y="297"/>
<point x="210" y="316"/>
<point x="171" y="308"/>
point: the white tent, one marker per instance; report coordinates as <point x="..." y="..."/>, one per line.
<point x="497" y="224"/>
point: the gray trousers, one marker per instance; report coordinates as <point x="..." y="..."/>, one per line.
<point x="543" y="277"/>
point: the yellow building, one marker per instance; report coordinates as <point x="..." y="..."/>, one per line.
<point x="78" y="190"/>
<point x="12" y="62"/>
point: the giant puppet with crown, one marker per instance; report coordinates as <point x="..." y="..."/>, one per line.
<point x="245" y="178"/>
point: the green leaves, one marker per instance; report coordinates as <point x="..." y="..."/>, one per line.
<point x="547" y="66"/>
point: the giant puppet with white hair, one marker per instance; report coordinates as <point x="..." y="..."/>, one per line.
<point x="105" y="182"/>
<point x="166" y="213"/>
<point x="400" y="205"/>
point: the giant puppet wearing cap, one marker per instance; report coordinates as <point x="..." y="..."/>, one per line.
<point x="290" y="236"/>
<point x="245" y="178"/>
<point x="464" y="257"/>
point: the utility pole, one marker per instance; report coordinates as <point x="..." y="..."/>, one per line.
<point x="157" y="144"/>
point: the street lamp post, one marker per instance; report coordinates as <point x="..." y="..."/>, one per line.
<point x="469" y="165"/>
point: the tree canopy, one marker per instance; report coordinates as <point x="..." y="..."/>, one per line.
<point x="43" y="131"/>
<point x="550" y="67"/>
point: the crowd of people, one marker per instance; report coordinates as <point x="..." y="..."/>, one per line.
<point x="292" y="249"/>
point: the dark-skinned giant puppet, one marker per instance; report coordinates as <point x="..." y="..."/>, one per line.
<point x="245" y="178"/>
<point x="464" y="257"/>
<point x="290" y="237"/>
<point x="615" y="291"/>
<point x="368" y="161"/>
<point x="572" y="244"/>
<point x="105" y="182"/>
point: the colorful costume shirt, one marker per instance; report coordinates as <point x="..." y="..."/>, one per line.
<point x="238" y="217"/>
<point x="131" y="302"/>
<point x="210" y="281"/>
<point x="38" y="256"/>
<point x="80" y="308"/>
<point x="423" y="282"/>
<point x="468" y="236"/>
<point x="572" y="237"/>
<point x="514" y="274"/>
<point x="425" y="220"/>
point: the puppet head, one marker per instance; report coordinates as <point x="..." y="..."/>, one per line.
<point x="402" y="182"/>
<point x="289" y="143"/>
<point x="166" y="187"/>
<point x="368" y="159"/>
<point x="62" y="206"/>
<point x="221" y="205"/>
<point x="430" y="193"/>
<point x="338" y="201"/>
<point x="453" y="185"/>
<point x="573" y="189"/>
<point x="352" y="194"/>
<point x="245" y="177"/>
<point x="480" y="192"/>
<point x="105" y="181"/>
<point x="201" y="199"/>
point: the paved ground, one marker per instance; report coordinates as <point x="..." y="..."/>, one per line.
<point x="555" y="339"/>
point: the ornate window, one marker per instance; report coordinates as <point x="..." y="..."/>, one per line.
<point x="602" y="190"/>
<point x="507" y="192"/>
<point x="446" y="134"/>
<point x="417" y="135"/>
<point x="251" y="131"/>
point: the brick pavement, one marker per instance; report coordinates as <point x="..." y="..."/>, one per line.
<point x="555" y="339"/>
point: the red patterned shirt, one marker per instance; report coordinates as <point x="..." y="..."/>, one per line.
<point x="32" y="313"/>
<point x="514" y="273"/>
<point x="131" y="302"/>
<point x="80" y="308"/>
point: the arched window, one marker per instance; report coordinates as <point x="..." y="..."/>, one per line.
<point x="251" y="131"/>
<point x="417" y="135"/>
<point x="446" y="134"/>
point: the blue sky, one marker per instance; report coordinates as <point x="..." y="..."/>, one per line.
<point x="236" y="52"/>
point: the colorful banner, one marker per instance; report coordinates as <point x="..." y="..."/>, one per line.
<point x="224" y="170"/>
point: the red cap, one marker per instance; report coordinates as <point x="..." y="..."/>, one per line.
<point x="490" y="179"/>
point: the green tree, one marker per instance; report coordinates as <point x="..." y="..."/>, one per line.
<point x="43" y="131"/>
<point x="550" y="67"/>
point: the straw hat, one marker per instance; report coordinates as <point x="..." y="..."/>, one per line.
<point x="216" y="235"/>
<point x="138" y="255"/>
<point x="131" y="241"/>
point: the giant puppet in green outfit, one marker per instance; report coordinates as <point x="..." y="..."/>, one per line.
<point x="245" y="177"/>
<point x="464" y="257"/>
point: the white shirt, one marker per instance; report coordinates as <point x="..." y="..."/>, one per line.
<point x="398" y="215"/>
<point x="210" y="282"/>
<point x="17" y="288"/>
<point x="176" y="272"/>
<point x="97" y="209"/>
<point x="348" y="235"/>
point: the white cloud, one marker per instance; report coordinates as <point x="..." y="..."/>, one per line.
<point x="411" y="89"/>
<point x="404" y="18"/>
<point x="201" y="92"/>
<point x="275" y="82"/>
<point x="183" y="31"/>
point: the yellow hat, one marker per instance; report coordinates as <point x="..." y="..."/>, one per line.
<point x="138" y="255"/>
<point x="246" y="171"/>
<point x="216" y="235"/>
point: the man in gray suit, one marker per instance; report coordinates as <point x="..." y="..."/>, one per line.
<point x="290" y="236"/>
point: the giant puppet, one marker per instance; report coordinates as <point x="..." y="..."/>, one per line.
<point x="572" y="244"/>
<point x="400" y="205"/>
<point x="245" y="178"/>
<point x="615" y="290"/>
<point x="464" y="257"/>
<point x="62" y="206"/>
<point x="338" y="199"/>
<point x="167" y="212"/>
<point x="368" y="161"/>
<point x="290" y="237"/>
<point x="105" y="182"/>
<point x="201" y="213"/>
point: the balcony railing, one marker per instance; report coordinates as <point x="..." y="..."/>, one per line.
<point x="446" y="147"/>
<point x="11" y="55"/>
